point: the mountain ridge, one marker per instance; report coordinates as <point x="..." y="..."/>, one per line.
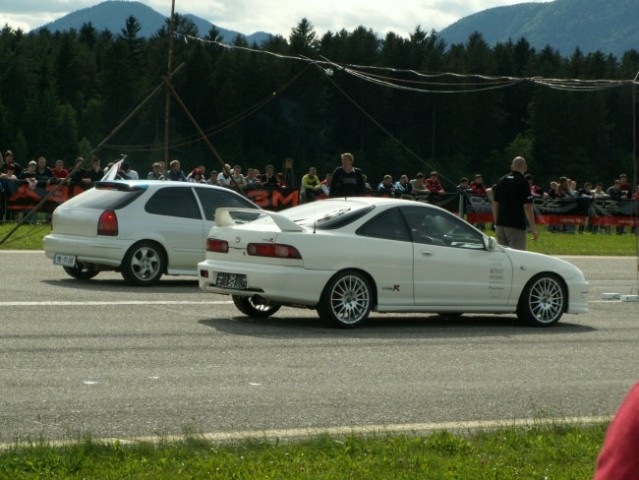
<point x="564" y="25"/>
<point x="590" y="25"/>
<point x="111" y="15"/>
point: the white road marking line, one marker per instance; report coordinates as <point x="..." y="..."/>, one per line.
<point x="117" y="302"/>
<point x="300" y="433"/>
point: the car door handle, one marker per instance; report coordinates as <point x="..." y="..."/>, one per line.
<point x="426" y="253"/>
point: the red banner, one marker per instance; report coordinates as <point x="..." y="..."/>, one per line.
<point x="571" y="211"/>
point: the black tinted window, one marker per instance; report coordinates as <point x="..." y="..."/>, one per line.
<point x="174" y="202"/>
<point x="107" y="199"/>
<point x="212" y="198"/>
<point x="388" y="224"/>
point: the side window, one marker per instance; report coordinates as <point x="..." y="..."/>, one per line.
<point x="212" y="199"/>
<point x="440" y="228"/>
<point x="389" y="225"/>
<point x="174" y="202"/>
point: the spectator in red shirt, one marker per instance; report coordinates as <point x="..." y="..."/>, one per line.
<point x="433" y="185"/>
<point x="477" y="186"/>
<point x="59" y="171"/>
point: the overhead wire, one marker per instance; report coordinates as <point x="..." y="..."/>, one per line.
<point x="468" y="85"/>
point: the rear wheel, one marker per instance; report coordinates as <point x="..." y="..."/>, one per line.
<point x="82" y="271"/>
<point x="346" y="300"/>
<point x="255" y="306"/>
<point x="143" y="264"/>
<point x="543" y="301"/>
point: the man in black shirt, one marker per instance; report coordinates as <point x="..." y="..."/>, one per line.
<point x="347" y="181"/>
<point x="512" y="207"/>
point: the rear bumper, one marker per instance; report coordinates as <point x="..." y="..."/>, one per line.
<point x="286" y="285"/>
<point x="90" y="250"/>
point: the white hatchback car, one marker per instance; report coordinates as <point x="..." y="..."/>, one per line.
<point x="346" y="258"/>
<point x="143" y="229"/>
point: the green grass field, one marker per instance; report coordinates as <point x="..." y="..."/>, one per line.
<point x="537" y="452"/>
<point x="29" y="237"/>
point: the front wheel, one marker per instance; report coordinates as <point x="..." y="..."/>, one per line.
<point x="255" y="306"/>
<point x="143" y="264"/>
<point x="82" y="271"/>
<point x="346" y="300"/>
<point x="543" y="301"/>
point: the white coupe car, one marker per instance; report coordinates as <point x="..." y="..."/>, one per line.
<point x="141" y="228"/>
<point x="348" y="257"/>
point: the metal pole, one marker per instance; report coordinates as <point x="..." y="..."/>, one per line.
<point x="167" y="98"/>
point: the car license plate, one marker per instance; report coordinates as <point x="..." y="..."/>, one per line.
<point x="64" y="260"/>
<point x="235" y="281"/>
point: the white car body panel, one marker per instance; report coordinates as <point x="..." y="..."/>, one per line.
<point x="75" y="228"/>
<point x="407" y="276"/>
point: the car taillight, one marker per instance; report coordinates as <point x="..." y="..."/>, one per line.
<point x="272" y="250"/>
<point x="217" y="246"/>
<point x="108" y="223"/>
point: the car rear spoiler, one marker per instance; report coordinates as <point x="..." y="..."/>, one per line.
<point x="223" y="218"/>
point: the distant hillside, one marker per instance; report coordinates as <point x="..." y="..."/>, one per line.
<point x="111" y="15"/>
<point x="592" y="25"/>
<point x="606" y="26"/>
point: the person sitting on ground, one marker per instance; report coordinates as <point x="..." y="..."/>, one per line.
<point x="311" y="185"/>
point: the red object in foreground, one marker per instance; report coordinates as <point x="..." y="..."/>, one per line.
<point x="618" y="459"/>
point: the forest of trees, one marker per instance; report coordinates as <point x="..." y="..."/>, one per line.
<point x="63" y="93"/>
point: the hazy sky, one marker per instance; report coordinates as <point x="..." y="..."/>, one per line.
<point x="277" y="16"/>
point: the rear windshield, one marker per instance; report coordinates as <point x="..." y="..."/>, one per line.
<point x="104" y="198"/>
<point x="324" y="216"/>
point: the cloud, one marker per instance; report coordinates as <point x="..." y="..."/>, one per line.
<point x="249" y="16"/>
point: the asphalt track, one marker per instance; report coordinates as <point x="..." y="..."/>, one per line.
<point x="103" y="359"/>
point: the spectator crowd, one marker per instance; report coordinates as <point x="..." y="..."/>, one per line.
<point x="38" y="173"/>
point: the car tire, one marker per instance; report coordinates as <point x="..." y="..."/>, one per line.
<point x="346" y="300"/>
<point x="255" y="306"/>
<point x="543" y="300"/>
<point x="143" y="264"/>
<point x="82" y="271"/>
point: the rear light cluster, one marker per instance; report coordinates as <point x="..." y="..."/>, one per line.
<point x="272" y="250"/>
<point x="217" y="246"/>
<point x="108" y="224"/>
<point x="275" y="250"/>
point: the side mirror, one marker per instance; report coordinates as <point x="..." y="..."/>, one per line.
<point x="490" y="243"/>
